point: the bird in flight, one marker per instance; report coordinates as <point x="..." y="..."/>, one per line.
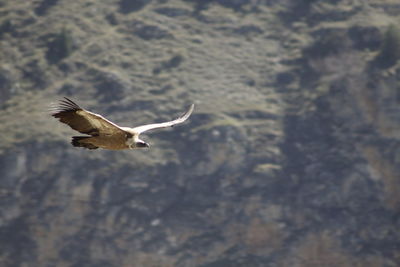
<point x="102" y="133"/>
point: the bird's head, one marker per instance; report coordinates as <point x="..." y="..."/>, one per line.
<point x="141" y="144"/>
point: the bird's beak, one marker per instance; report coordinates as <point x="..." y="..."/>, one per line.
<point x="142" y="145"/>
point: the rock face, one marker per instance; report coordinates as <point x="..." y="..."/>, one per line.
<point x="291" y="157"/>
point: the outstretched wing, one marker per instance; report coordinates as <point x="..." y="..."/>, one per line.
<point x="82" y="120"/>
<point x="147" y="127"/>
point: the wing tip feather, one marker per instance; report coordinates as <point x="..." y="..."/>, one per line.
<point x="187" y="114"/>
<point x="64" y="105"/>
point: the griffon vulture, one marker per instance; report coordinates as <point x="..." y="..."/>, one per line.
<point x="103" y="133"/>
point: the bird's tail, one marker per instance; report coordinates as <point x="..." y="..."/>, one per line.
<point x="83" y="141"/>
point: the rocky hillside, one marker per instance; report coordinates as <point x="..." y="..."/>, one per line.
<point x="291" y="158"/>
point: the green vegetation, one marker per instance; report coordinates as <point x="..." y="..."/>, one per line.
<point x="390" y="50"/>
<point x="60" y="47"/>
<point x="328" y="43"/>
<point x="6" y="26"/>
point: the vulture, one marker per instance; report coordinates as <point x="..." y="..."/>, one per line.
<point x="102" y="133"/>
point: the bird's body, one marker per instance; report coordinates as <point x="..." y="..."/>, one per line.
<point x="102" y="133"/>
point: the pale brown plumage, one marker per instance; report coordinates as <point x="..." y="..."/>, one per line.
<point x="103" y="133"/>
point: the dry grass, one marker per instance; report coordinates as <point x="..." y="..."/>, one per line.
<point x="260" y="238"/>
<point x="263" y="238"/>
<point x="319" y="249"/>
<point x="387" y="173"/>
<point x="324" y="250"/>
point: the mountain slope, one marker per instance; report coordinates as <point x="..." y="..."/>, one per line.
<point x="291" y="157"/>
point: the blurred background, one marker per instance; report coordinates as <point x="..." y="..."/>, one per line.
<point x="291" y="157"/>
